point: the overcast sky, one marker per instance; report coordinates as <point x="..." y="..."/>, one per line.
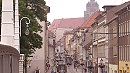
<point x="73" y="8"/>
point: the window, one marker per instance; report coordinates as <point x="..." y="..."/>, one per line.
<point x="129" y="51"/>
<point x="122" y="52"/>
<point x="119" y="53"/>
<point x="120" y="71"/>
<point x="127" y="27"/>
<point x="54" y="43"/>
<point x="37" y="71"/>
<point x="124" y="71"/>
<point x="114" y="31"/>
<point x="125" y="53"/>
<point x="119" y="30"/>
<point x="123" y="27"/>
<point x="83" y="36"/>
<point x="114" y="51"/>
<point x="115" y="71"/>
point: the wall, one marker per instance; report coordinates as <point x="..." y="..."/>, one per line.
<point x="39" y="57"/>
<point x="113" y="68"/>
<point x="59" y="32"/>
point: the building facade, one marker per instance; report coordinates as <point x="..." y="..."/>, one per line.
<point x="123" y="41"/>
<point x="68" y="35"/>
<point x="51" y="47"/>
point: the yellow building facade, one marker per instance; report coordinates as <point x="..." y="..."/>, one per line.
<point x="124" y="67"/>
<point x="68" y="36"/>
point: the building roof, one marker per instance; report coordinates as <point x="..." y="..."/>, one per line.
<point x="88" y="23"/>
<point x="111" y="13"/>
<point x="66" y="23"/>
<point x="91" y="19"/>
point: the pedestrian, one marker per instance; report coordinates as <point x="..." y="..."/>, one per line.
<point x="52" y="71"/>
<point x="48" y="65"/>
<point x="85" y="70"/>
<point x="75" y="65"/>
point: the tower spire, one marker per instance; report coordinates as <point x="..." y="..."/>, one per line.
<point x="92" y="0"/>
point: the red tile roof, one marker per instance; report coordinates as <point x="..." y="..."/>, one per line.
<point x="91" y="19"/>
<point x="66" y="23"/>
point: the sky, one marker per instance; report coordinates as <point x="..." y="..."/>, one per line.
<point x="73" y="8"/>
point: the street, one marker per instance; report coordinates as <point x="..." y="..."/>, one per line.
<point x="70" y="69"/>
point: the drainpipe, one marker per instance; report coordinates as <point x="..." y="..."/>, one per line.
<point x="118" y="42"/>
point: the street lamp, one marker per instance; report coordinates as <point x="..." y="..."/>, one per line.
<point x="26" y="33"/>
<point x="27" y="25"/>
<point x="101" y="65"/>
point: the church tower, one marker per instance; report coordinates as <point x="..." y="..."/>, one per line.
<point x="91" y="7"/>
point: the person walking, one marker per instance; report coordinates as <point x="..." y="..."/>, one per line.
<point x="85" y="69"/>
<point x="75" y="65"/>
<point x="52" y="71"/>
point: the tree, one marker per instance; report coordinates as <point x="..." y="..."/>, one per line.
<point x="32" y="9"/>
<point x="38" y="7"/>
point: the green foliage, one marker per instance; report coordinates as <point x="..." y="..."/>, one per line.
<point x="29" y="43"/>
<point x="38" y="7"/>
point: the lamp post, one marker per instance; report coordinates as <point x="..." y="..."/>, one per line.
<point x="27" y="25"/>
<point x="26" y="33"/>
<point x="101" y="65"/>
